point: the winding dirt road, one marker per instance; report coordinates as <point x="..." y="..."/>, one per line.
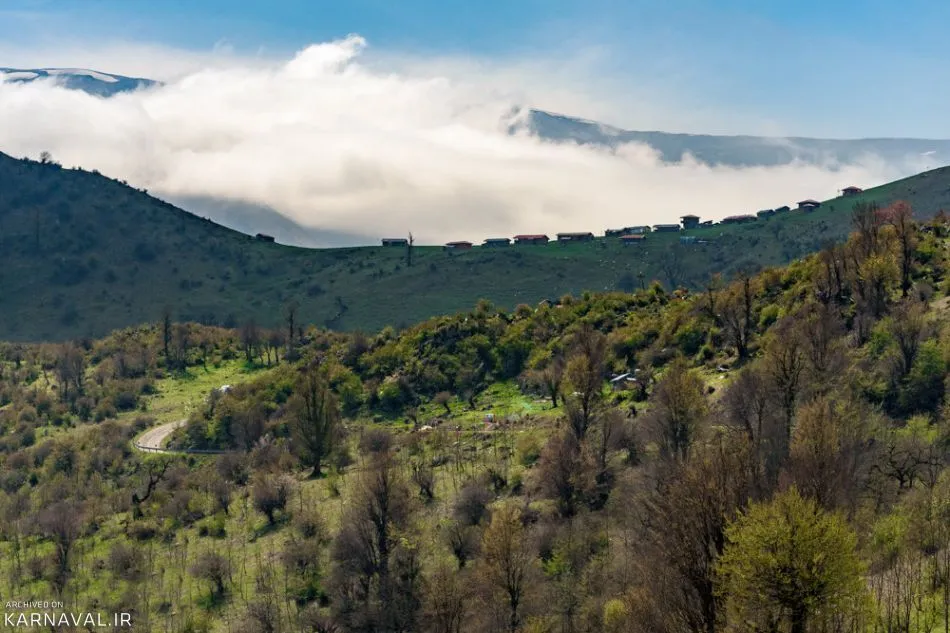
<point x="153" y="440"/>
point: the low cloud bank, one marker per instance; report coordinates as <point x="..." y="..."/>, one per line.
<point x="338" y="144"/>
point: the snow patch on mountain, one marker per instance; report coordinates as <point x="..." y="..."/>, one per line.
<point x="82" y="71"/>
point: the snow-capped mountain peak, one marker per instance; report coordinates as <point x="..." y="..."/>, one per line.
<point x="91" y="81"/>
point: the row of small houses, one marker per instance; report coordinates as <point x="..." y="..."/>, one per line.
<point x="635" y="234"/>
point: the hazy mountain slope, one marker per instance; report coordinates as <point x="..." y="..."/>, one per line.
<point x="739" y="150"/>
<point x="252" y="218"/>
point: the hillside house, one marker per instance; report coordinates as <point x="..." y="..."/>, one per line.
<point x="765" y="214"/>
<point x="531" y="239"/>
<point x="666" y="228"/>
<point x="784" y="209"/>
<point x="497" y="241"/>
<point x="457" y="246"/>
<point x="808" y="205"/>
<point x="628" y="240"/>
<point x="690" y="221"/>
<point x="395" y="241"/>
<point x="264" y="238"/>
<point x="614" y="232"/>
<point x="574" y="237"/>
<point x="634" y="230"/>
<point x="706" y="223"/>
<point x="847" y="192"/>
<point x="738" y="219"/>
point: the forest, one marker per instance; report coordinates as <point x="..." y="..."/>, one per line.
<point x="765" y="454"/>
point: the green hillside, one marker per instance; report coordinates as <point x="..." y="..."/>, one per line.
<point x="770" y="455"/>
<point x="81" y="254"/>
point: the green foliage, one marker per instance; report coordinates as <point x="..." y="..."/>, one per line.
<point x="789" y="560"/>
<point x="924" y="388"/>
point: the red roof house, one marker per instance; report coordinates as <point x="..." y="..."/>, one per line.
<point x="531" y="239"/>
<point x="628" y="240"/>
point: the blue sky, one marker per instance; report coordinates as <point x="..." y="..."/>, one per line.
<point x="839" y="68"/>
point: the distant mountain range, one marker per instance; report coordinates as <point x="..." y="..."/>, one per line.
<point x="91" y="81"/>
<point x="736" y="151"/>
<point x="740" y="151"/>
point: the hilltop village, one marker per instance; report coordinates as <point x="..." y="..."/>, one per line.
<point x="629" y="235"/>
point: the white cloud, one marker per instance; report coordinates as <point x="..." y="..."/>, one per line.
<point x="383" y="145"/>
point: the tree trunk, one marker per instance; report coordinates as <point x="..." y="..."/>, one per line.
<point x="799" y="619"/>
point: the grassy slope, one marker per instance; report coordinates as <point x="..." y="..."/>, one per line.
<point x="81" y="254"/>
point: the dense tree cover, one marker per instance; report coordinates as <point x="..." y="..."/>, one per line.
<point x="771" y="457"/>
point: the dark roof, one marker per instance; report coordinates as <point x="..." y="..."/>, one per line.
<point x="576" y="234"/>
<point x="669" y="226"/>
<point x="745" y="216"/>
<point x="498" y="239"/>
<point x="461" y="243"/>
<point x="683" y="217"/>
<point x="852" y="188"/>
<point x="809" y="202"/>
<point x="537" y="236"/>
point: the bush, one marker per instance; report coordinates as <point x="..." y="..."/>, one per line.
<point x="213" y="526"/>
<point x="471" y="505"/>
<point x="529" y="450"/>
<point x="270" y="495"/>
<point x="126" y="400"/>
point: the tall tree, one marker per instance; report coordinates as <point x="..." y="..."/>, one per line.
<point x="290" y="318"/>
<point x="506" y="561"/>
<point x="166" y="332"/>
<point x="736" y="313"/>
<point x="365" y="550"/>
<point x="585" y="377"/>
<point x="316" y="418"/>
<point x="70" y="370"/>
<point x="250" y="339"/>
<point x="784" y="363"/>
<point x="900" y="217"/>
<point x="679" y="407"/>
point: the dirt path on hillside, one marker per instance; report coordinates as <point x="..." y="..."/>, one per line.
<point x="153" y="440"/>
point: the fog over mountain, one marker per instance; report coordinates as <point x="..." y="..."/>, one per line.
<point x="346" y="152"/>
<point x="739" y="151"/>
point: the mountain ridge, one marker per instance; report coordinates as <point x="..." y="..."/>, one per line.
<point x="82" y="254"/>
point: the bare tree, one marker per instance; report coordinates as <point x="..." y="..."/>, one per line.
<point x="585" y="376"/>
<point x="900" y="217"/>
<point x="366" y="547"/>
<point x="214" y="568"/>
<point x="271" y="494"/>
<point x="506" y="561"/>
<point x="250" y="339"/>
<point x="679" y="408"/>
<point x="70" y="370"/>
<point x="316" y="418"/>
<point x="736" y="314"/>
